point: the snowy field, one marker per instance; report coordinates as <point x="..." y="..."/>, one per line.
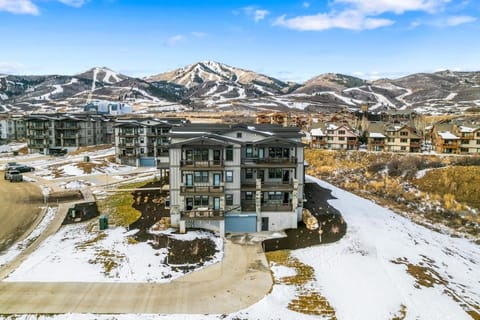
<point x="79" y="255"/>
<point x="385" y="267"/>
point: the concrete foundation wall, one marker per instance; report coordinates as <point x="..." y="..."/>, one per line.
<point x="278" y="221"/>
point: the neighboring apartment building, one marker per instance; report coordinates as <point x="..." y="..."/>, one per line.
<point x="12" y="127"/>
<point x="393" y="137"/>
<point x="456" y="138"/>
<point x="143" y="142"/>
<point x="47" y="133"/>
<point x="236" y="178"/>
<point x="334" y="137"/>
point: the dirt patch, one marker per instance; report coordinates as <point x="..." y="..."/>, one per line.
<point x="186" y="255"/>
<point x="151" y="204"/>
<point x="331" y="222"/>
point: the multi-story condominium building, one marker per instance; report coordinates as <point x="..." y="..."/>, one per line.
<point x="334" y="137"/>
<point x="236" y="178"/>
<point x="144" y="141"/>
<point x="469" y="139"/>
<point x="455" y="138"/>
<point x="46" y="133"/>
<point x="393" y="137"/>
<point x="12" y="127"/>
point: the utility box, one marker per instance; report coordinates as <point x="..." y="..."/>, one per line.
<point x="103" y="222"/>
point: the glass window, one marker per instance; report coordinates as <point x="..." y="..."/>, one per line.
<point x="201" y="201"/>
<point x="229" y="199"/>
<point x="239" y="134"/>
<point x="403" y="140"/>
<point x="201" y="176"/>
<point x="275" y="173"/>
<point x="341" y="131"/>
<point x="404" y="133"/>
<point x="229" y="154"/>
<point x="249" y="151"/>
<point x="229" y="176"/>
<point x="248" y="195"/>
<point x="248" y="173"/>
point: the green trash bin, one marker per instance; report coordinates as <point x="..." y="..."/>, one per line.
<point x="86" y="159"/>
<point x="15" y="153"/>
<point x="103" y="222"/>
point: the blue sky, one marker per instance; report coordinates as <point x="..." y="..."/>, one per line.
<point x="290" y="40"/>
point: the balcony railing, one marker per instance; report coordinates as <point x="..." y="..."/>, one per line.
<point x="269" y="185"/>
<point x="249" y="205"/>
<point x="291" y="160"/>
<point x="201" y="163"/>
<point x="201" y="213"/>
<point x="128" y="144"/>
<point x="201" y="189"/>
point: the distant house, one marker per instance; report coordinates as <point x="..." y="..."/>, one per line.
<point x="334" y="137"/>
<point x="456" y="138"/>
<point x="236" y="178"/>
<point x="108" y="107"/>
<point x="393" y="137"/>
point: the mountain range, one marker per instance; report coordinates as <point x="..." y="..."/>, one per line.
<point x="210" y="85"/>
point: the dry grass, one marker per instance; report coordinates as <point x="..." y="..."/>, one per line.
<point x="307" y="300"/>
<point x="118" y="206"/>
<point x="90" y="149"/>
<point x="443" y="196"/>
<point x="401" y="314"/>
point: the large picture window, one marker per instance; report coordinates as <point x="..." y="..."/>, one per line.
<point x="275" y="173"/>
<point x="201" y="176"/>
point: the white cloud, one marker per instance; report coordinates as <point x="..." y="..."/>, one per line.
<point x="255" y="13"/>
<point x="11" y="67"/>
<point x="306" y="4"/>
<point x="29" y="7"/>
<point x="260" y="15"/>
<point x="174" y="40"/>
<point x="19" y="7"/>
<point x="352" y="20"/>
<point x="458" y="20"/>
<point x="395" y="6"/>
<point x="359" y="14"/>
<point x="74" y="3"/>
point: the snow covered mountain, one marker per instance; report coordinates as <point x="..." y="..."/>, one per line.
<point x="70" y="93"/>
<point x="211" y="85"/>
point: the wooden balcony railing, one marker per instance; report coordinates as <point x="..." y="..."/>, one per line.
<point x="201" y="189"/>
<point x="200" y="213"/>
<point x="202" y="164"/>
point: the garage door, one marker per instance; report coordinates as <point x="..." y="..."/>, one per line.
<point x="241" y="222"/>
<point x="147" y="162"/>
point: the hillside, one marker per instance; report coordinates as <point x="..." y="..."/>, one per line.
<point x="210" y="85"/>
<point x="434" y="190"/>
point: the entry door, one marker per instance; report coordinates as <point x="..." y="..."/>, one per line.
<point x="264" y="223"/>
<point x="216" y="157"/>
<point x="189" y="203"/>
<point x="261" y="153"/>
<point x="216" y="179"/>
<point x="286" y="176"/>
<point x="189" y="180"/>
<point x="216" y="203"/>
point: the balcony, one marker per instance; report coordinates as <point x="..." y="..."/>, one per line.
<point x="128" y="134"/>
<point x="204" y="190"/>
<point x="67" y="127"/>
<point x="205" y="164"/>
<point x="292" y="161"/>
<point x="249" y="205"/>
<point x="203" y="214"/>
<point x="268" y="186"/>
<point x="128" y="144"/>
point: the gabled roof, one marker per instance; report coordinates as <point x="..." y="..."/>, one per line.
<point x="278" y="141"/>
<point x="447" y="135"/>
<point x="205" y="140"/>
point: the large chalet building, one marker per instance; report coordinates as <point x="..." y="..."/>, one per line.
<point x="236" y="178"/>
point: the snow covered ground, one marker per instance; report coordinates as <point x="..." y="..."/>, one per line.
<point x="386" y="266"/>
<point x="79" y="255"/>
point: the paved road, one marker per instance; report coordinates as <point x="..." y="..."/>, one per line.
<point x="240" y="280"/>
<point x="19" y="209"/>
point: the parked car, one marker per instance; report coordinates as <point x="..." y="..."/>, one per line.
<point x="19" y="167"/>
